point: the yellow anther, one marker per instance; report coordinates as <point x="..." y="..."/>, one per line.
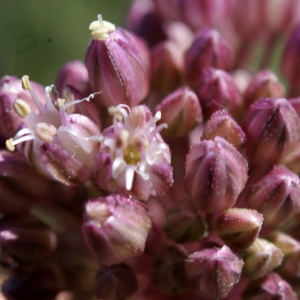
<point x="60" y="102"/>
<point x="100" y="29"/>
<point x="115" y="112"/>
<point x="22" y="108"/>
<point x="25" y="83"/>
<point x="9" y="145"/>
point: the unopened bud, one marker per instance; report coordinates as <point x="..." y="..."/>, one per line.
<point x="239" y="227"/>
<point x="213" y="272"/>
<point x="276" y="195"/>
<point x="181" y="111"/>
<point x="115" y="282"/>
<point x="215" y="174"/>
<point x="222" y="124"/>
<point x="209" y="49"/>
<point x="115" y="228"/>
<point x="261" y="258"/>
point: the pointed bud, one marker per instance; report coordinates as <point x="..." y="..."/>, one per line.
<point x="184" y="224"/>
<point x="215" y="174"/>
<point x="239" y="227"/>
<point x="166" y="67"/>
<point x="18" y="192"/>
<point x="25" y="240"/>
<point x="270" y="287"/>
<point x="222" y="124"/>
<point x="115" y="66"/>
<point x="116" y="282"/>
<point x="272" y="127"/>
<point x="214" y="271"/>
<point x="181" y="111"/>
<point x="209" y="49"/>
<point x="261" y="258"/>
<point x="115" y="228"/>
<point x="168" y="271"/>
<point x="217" y="89"/>
<point x="276" y="195"/>
<point x="75" y="74"/>
<point x="290" y="247"/>
<point x="265" y="84"/>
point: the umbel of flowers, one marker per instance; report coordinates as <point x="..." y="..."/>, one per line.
<point x="164" y="167"/>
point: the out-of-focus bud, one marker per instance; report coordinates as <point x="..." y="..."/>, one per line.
<point x="115" y="228"/>
<point x="184" y="224"/>
<point x="290" y="61"/>
<point x="239" y="227"/>
<point x="21" y="187"/>
<point x="198" y="14"/>
<point x="264" y="84"/>
<point x="261" y="258"/>
<point x="276" y="195"/>
<point x="143" y="19"/>
<point x="242" y="79"/>
<point x="75" y="74"/>
<point x="215" y="174"/>
<point x="270" y="287"/>
<point x="115" y="282"/>
<point x="222" y="124"/>
<point x="214" y="271"/>
<point x="181" y="111"/>
<point x="169" y="10"/>
<point x="290" y="247"/>
<point x="217" y="89"/>
<point x="35" y="284"/>
<point x="209" y="49"/>
<point x="115" y="66"/>
<point x="10" y="91"/>
<point x="272" y="127"/>
<point x="166" y="67"/>
<point x="133" y="158"/>
<point x="168" y="271"/>
<point x="25" y="240"/>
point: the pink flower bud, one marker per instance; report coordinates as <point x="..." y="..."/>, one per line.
<point x="209" y="49"/>
<point x="115" y="66"/>
<point x="290" y="62"/>
<point x="144" y="20"/>
<point x="184" y="224"/>
<point x="276" y="195"/>
<point x="21" y="187"/>
<point x="270" y="287"/>
<point x="239" y="227"/>
<point x="216" y="173"/>
<point x="264" y="84"/>
<point x="217" y="89"/>
<point x="214" y="271"/>
<point x="168" y="271"/>
<point x="222" y="124"/>
<point x="166" y="67"/>
<point x="181" y="111"/>
<point x="25" y="240"/>
<point x="272" y="127"/>
<point x="116" y="282"/>
<point x="261" y="258"/>
<point x="133" y="158"/>
<point x="115" y="228"/>
<point x="290" y="268"/>
<point x="75" y="74"/>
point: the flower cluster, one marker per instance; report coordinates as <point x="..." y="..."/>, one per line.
<point x="164" y="167"/>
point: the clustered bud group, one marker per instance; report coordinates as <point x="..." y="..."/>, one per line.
<point x="164" y="167"/>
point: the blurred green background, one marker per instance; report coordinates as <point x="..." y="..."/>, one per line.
<point x="38" y="36"/>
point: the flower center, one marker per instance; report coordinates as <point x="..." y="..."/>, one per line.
<point x="132" y="154"/>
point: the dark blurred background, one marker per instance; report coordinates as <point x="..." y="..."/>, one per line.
<point x="38" y="36"/>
